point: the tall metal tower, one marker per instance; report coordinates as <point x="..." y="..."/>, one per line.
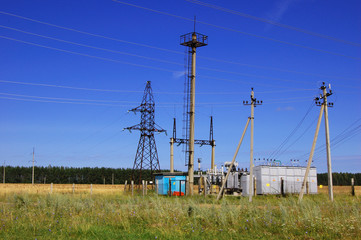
<point x="147" y="155"/>
<point x="191" y="41"/>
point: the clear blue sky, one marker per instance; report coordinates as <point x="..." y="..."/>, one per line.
<point x="320" y="41"/>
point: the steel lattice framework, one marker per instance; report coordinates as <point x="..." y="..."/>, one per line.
<point x="147" y="155"/>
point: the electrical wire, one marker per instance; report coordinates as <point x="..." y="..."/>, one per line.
<point x="144" y="57"/>
<point x="273" y="22"/>
<point x="285" y="141"/>
<point x="87" y="55"/>
<point x="130" y="91"/>
<point x="167" y="50"/>
<point x="105" y="102"/>
<point x="89" y="46"/>
<point x="337" y="139"/>
<point x="296" y="140"/>
<point x="144" y="66"/>
<point x="238" y="31"/>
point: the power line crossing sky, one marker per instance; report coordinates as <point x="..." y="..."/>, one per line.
<point x="70" y="70"/>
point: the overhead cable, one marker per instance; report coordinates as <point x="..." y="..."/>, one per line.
<point x="275" y="23"/>
<point x="131" y="91"/>
<point x="238" y="31"/>
<point x="168" y="50"/>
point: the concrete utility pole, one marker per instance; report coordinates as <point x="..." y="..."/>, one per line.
<point x="328" y="148"/>
<point x="192" y="40"/>
<point x="171" y="155"/>
<point x="311" y="155"/>
<point x="324" y="108"/>
<point x="253" y="104"/>
<point x="32" y="179"/>
<point x="191" y="116"/>
<point x="220" y="194"/>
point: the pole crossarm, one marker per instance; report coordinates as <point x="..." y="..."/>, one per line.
<point x="198" y="142"/>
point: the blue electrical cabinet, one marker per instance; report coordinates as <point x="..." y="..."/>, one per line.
<point x="173" y="184"/>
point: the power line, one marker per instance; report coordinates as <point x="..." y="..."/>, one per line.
<point x="279" y="148"/>
<point x="296" y="140"/>
<point x="164" y="49"/>
<point x="76" y="100"/>
<point x="238" y="31"/>
<point x="87" y="55"/>
<point x="130" y="91"/>
<point x="340" y="137"/>
<point x="141" y="56"/>
<point x="89" y="46"/>
<point x="160" y="105"/>
<point x="273" y="22"/>
<point x="141" y="65"/>
<point x="66" y="99"/>
<point x="88" y="33"/>
<point x="340" y="141"/>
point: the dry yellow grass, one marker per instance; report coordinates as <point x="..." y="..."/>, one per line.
<point x="340" y="190"/>
<point x="117" y="189"/>
<point x="61" y="188"/>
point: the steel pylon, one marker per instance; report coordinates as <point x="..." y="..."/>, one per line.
<point x="147" y="155"/>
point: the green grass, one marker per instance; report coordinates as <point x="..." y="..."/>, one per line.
<point x="81" y="216"/>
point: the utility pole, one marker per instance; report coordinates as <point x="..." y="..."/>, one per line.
<point x="327" y="130"/>
<point x="254" y="102"/>
<point x="32" y="179"/>
<point x="324" y="109"/>
<point x="172" y="147"/>
<point x="220" y="194"/>
<point x="4" y="173"/>
<point x="192" y="41"/>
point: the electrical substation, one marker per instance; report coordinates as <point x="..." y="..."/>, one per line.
<point x="269" y="177"/>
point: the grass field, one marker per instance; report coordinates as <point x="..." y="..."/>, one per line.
<point x="31" y="212"/>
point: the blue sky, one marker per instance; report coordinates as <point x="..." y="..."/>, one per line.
<point x="55" y="53"/>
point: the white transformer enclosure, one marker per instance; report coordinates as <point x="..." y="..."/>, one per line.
<point x="268" y="179"/>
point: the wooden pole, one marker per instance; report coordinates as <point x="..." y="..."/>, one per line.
<point x="205" y="186"/>
<point x="125" y="185"/>
<point x="91" y="189"/>
<point x="255" y="186"/>
<point x="170" y="188"/>
<point x="132" y="187"/>
<point x="32" y="177"/>
<point x="352" y="187"/>
<point x="73" y="187"/>
<point x="143" y="187"/>
<point x="51" y="188"/>
<point x="146" y="188"/>
<point x="4" y="174"/>
<point x="112" y="178"/>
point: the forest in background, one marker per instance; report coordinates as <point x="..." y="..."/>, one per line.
<point x="87" y="175"/>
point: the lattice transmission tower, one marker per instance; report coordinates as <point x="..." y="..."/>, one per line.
<point x="147" y="155"/>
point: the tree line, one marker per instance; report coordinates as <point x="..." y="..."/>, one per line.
<point x="87" y="175"/>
